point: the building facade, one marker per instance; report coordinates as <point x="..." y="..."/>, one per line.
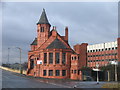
<point x="102" y="54"/>
<point x="52" y="57"/>
<point x="50" y="54"/>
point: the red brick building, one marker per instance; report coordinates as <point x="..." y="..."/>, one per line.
<point x="52" y="57"/>
<point x="50" y="54"/>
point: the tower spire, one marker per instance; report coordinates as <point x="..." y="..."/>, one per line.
<point x="43" y="19"/>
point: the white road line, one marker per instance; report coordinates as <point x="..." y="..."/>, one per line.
<point x="6" y="77"/>
<point x="60" y="85"/>
<point x="54" y="84"/>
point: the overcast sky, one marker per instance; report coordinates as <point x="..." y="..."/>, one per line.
<point x="88" y="22"/>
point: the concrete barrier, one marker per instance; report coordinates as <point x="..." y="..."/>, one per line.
<point x="13" y="70"/>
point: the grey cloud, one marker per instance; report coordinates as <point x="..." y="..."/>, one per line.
<point x="87" y="22"/>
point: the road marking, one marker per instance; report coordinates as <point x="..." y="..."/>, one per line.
<point x="60" y="85"/>
<point x="6" y="77"/>
<point x="54" y="84"/>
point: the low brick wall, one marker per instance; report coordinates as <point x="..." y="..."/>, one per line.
<point x="12" y="70"/>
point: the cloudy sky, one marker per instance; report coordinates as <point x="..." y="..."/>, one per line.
<point x="88" y="22"/>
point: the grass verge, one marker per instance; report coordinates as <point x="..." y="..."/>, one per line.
<point x="111" y="85"/>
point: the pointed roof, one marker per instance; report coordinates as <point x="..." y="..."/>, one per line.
<point x="43" y="19"/>
<point x="34" y="42"/>
<point x="56" y="44"/>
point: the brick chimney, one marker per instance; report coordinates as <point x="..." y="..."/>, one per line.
<point x="66" y="34"/>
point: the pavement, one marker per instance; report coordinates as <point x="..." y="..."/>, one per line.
<point x="13" y="80"/>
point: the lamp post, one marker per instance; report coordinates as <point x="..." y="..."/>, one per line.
<point x="115" y="63"/>
<point x="108" y="72"/>
<point x="116" y="71"/>
<point x="20" y="59"/>
<point x="97" y="65"/>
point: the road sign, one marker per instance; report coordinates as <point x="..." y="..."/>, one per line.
<point x="39" y="61"/>
<point x="95" y="69"/>
<point x="97" y="65"/>
<point x="114" y="62"/>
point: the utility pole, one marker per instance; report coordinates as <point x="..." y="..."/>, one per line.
<point x="20" y="59"/>
<point x="104" y="55"/>
<point x="8" y="54"/>
<point x="115" y="64"/>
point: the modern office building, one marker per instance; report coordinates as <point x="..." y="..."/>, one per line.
<point x="102" y="54"/>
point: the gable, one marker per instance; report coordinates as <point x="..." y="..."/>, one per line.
<point x="56" y="44"/>
<point x="52" y="42"/>
<point x="34" y="42"/>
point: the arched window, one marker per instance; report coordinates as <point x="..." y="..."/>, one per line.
<point x="57" y="56"/>
<point x="31" y="63"/>
<point x="44" y="72"/>
<point x="57" y="72"/>
<point x="45" y="57"/>
<point x="50" y="72"/>
<point x="63" y="72"/>
<point x="75" y="71"/>
<point x="63" y="58"/>
<point x="42" y="29"/>
<point x="75" y="57"/>
<point x="50" y="58"/>
<point x="72" y="71"/>
<point x="72" y="58"/>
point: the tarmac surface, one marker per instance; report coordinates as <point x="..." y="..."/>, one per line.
<point x="13" y="80"/>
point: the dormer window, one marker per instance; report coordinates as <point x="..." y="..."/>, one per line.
<point x="42" y="29"/>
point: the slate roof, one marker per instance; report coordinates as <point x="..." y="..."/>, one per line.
<point x="43" y="19"/>
<point x="34" y="42"/>
<point x="56" y="44"/>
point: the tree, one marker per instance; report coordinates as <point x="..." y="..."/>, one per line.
<point x="86" y="72"/>
<point x="86" y="69"/>
<point x="25" y="65"/>
<point x="111" y="69"/>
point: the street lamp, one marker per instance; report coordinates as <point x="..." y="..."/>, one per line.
<point x="97" y="65"/>
<point x="108" y="73"/>
<point x="115" y="63"/>
<point x="20" y="59"/>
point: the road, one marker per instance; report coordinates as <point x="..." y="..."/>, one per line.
<point x="11" y="80"/>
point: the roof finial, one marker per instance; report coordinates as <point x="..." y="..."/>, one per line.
<point x="54" y="28"/>
<point x="43" y="9"/>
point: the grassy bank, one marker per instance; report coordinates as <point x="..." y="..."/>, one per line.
<point x="12" y="70"/>
<point x="111" y="85"/>
<point x="17" y="72"/>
